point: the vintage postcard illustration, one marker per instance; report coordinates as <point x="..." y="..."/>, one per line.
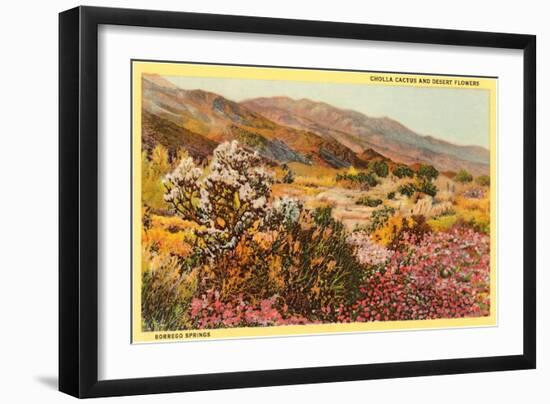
<point x="283" y="201"/>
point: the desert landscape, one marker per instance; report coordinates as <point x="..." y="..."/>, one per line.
<point x="278" y="211"/>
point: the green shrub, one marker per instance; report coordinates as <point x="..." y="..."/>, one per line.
<point x="165" y="294"/>
<point x="364" y="179"/>
<point x="428" y="188"/>
<point x="463" y="177"/>
<point x="316" y="266"/>
<point x="483" y="180"/>
<point x="371" y="202"/>
<point x="427" y="172"/>
<point x="407" y="189"/>
<point x="391" y="195"/>
<point x="288" y="177"/>
<point x="380" y="168"/>
<point x="414" y="225"/>
<point x="380" y="217"/>
<point x="402" y="172"/>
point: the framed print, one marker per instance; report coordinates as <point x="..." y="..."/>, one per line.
<point x="248" y="201"/>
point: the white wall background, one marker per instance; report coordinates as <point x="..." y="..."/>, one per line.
<point x="28" y="200"/>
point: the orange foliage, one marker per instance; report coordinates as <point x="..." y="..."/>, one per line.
<point x="166" y="242"/>
<point x="386" y="234"/>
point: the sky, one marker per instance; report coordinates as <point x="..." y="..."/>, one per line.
<point x="460" y="116"/>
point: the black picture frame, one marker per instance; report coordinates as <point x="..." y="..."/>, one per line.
<point x="78" y="201"/>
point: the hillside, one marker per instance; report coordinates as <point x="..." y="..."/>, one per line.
<point x="385" y="135"/>
<point x="157" y="130"/>
<point x="218" y="119"/>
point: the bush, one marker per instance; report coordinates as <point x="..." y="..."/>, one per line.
<point x="427" y="172"/>
<point x="246" y="247"/>
<point x="315" y="266"/>
<point x="443" y="222"/>
<point x="391" y="195"/>
<point x="365" y="180"/>
<point x="407" y="189"/>
<point x="403" y="171"/>
<point x="390" y="234"/>
<point x="463" y="177"/>
<point x="380" y="217"/>
<point x="288" y="176"/>
<point x="428" y="188"/>
<point x="224" y="206"/>
<point x="371" y="202"/>
<point x="422" y="185"/>
<point x="227" y="202"/>
<point x="153" y="168"/>
<point x="415" y="225"/>
<point x="165" y="293"/>
<point x="380" y="168"/>
<point x="474" y="213"/>
<point x="483" y="180"/>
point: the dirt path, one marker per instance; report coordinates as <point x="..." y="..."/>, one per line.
<point x="344" y="208"/>
<point x="342" y="200"/>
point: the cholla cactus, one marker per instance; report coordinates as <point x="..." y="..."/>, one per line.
<point x="284" y="211"/>
<point x="227" y="202"/>
<point x="184" y="192"/>
<point x="237" y="190"/>
<point x="237" y="184"/>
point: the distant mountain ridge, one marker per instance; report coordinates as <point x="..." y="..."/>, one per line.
<point x="385" y="135"/>
<point x="219" y="119"/>
<point x="284" y="130"/>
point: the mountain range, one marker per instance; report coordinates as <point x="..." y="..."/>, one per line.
<point x="283" y="129"/>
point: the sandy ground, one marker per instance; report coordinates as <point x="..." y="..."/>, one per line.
<point x="342" y="200"/>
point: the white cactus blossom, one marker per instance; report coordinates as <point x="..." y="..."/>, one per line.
<point x="227" y="201"/>
<point x="286" y="210"/>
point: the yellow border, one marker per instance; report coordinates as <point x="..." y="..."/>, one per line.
<point x="307" y="75"/>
